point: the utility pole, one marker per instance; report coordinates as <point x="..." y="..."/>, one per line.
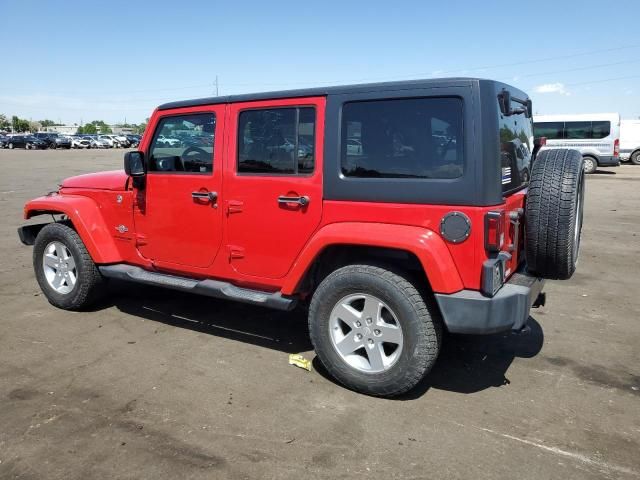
<point x="217" y="86"/>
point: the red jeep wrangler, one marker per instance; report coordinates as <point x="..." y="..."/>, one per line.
<point x="395" y="210"/>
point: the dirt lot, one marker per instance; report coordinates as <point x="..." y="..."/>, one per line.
<point x="156" y="384"/>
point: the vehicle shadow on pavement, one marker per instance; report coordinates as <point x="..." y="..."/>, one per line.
<point x="467" y="363"/>
<point x="471" y="363"/>
<point x="283" y="331"/>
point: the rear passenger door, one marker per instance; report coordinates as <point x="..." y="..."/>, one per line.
<point x="273" y="183"/>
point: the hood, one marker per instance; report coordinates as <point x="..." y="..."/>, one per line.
<point x="113" y="180"/>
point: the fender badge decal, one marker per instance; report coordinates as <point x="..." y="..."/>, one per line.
<point x="122" y="229"/>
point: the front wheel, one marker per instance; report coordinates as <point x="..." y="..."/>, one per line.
<point x="64" y="269"/>
<point x="373" y="330"/>
<point x="635" y="157"/>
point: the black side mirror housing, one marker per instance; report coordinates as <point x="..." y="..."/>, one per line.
<point x="134" y="164"/>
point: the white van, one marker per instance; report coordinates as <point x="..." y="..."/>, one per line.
<point x="630" y="141"/>
<point x="596" y="136"/>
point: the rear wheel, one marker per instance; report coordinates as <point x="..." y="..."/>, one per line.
<point x="590" y="165"/>
<point x="373" y="331"/>
<point x="635" y="157"/>
<point x="554" y="213"/>
<point x="64" y="269"/>
<point x="10" y="146"/>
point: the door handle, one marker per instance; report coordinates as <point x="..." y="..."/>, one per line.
<point x="303" y="201"/>
<point x="209" y="196"/>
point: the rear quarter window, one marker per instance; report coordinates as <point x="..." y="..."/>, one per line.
<point x="516" y="145"/>
<point x="402" y="138"/>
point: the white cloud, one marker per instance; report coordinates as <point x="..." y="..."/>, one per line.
<point x="552" y="88"/>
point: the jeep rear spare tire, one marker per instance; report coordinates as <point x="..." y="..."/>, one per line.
<point x="373" y="330"/>
<point x="554" y="213"/>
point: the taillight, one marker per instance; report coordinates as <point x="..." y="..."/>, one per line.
<point x="616" y="147"/>
<point x="494" y="231"/>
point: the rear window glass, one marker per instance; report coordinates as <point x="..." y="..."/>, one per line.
<point x="403" y="138"/>
<point x="585" y="130"/>
<point x="516" y="145"/>
<point x="575" y="130"/>
<point x="550" y="130"/>
<point x="277" y="141"/>
<point x="601" y="129"/>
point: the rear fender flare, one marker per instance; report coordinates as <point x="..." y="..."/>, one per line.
<point x="425" y="244"/>
<point x="84" y="213"/>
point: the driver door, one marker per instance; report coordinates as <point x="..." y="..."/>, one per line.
<point x="177" y="219"/>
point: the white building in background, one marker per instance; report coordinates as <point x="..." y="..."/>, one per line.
<point x="63" y="129"/>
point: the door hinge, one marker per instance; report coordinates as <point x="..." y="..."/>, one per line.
<point x="141" y="240"/>
<point x="235" y="252"/>
<point x="234" y="206"/>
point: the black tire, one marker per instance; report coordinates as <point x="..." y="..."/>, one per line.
<point x="590" y="165"/>
<point x="554" y="210"/>
<point x="635" y="157"/>
<point x="418" y="319"/>
<point x="88" y="279"/>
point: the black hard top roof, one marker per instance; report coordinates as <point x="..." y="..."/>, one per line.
<point x="323" y="91"/>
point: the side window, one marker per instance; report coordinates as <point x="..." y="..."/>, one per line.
<point x="277" y="141"/>
<point x="403" y="138"/>
<point x="578" y="130"/>
<point x="550" y="130"/>
<point x="601" y="129"/>
<point x="183" y="143"/>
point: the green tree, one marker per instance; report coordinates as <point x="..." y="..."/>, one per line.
<point x="90" y="129"/>
<point x="4" y="123"/>
<point x="19" y="125"/>
<point x="98" y="125"/>
<point x="47" y="123"/>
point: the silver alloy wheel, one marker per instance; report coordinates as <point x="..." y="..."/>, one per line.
<point x="59" y="267"/>
<point x="589" y="165"/>
<point x="366" y="333"/>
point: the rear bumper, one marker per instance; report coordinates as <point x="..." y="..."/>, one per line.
<point x="469" y="311"/>
<point x="608" y="161"/>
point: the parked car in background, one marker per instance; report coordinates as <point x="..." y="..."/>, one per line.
<point x="26" y="141"/>
<point x="122" y="140"/>
<point x="134" y="140"/>
<point x="168" y="141"/>
<point x="3" y="141"/>
<point x="95" y="142"/>
<point x="596" y="136"/>
<point x="630" y="141"/>
<point x="80" y="142"/>
<point x="54" y="140"/>
<point x="110" y="141"/>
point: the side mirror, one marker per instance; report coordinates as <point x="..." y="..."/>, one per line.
<point x="134" y="164"/>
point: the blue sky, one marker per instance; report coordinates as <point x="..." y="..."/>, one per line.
<point x="79" y="61"/>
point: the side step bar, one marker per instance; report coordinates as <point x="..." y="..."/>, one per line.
<point x="210" y="288"/>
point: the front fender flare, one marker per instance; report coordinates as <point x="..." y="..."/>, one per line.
<point x="84" y="213"/>
<point x="425" y="244"/>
